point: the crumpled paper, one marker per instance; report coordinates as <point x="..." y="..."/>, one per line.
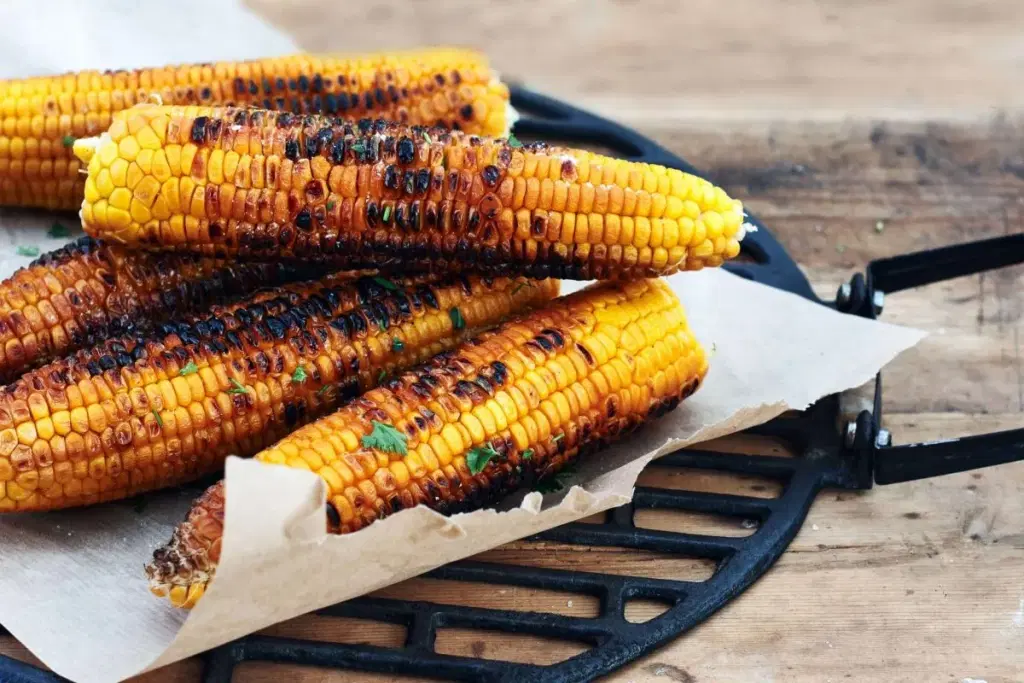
<point x="72" y="587"/>
<point x="71" y="583"/>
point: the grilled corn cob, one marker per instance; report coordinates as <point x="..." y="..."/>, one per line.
<point x="507" y="409"/>
<point x="257" y="184"/>
<point x="89" y="291"/>
<point x="41" y="117"/>
<point x="136" y="414"/>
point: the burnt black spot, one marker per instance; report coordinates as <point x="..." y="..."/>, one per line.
<point x="466" y="112"/>
<point x="333" y="518"/>
<point x="539" y="225"/>
<point x="291" y="150"/>
<point x="303" y="220"/>
<point x="406" y="150"/>
<point x="555" y="336"/>
<point x="474" y="219"/>
<point x="428" y="296"/>
<point x="501" y="372"/>
<point x="409" y="182"/>
<point x="491" y="174"/>
<point x="303" y="83"/>
<point x="391" y="177"/>
<point x="254" y="88"/>
<point x="338" y="151"/>
<point x="372" y="214"/>
<point x="422" y="180"/>
<point x="291" y="414"/>
<point x="198" y="134"/>
<point x="205" y="93"/>
<point x="431" y="216"/>
<point x="239" y="85"/>
<point x="414" y="215"/>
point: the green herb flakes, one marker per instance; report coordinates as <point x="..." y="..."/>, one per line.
<point x="477" y="458"/>
<point x="386" y="283"/>
<point x="58" y="231"/>
<point x="457" y="320"/>
<point x="386" y="438"/>
<point x="237" y="387"/>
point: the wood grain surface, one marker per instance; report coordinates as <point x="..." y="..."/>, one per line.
<point x="856" y="129"/>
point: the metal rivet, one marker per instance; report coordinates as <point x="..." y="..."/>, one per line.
<point x="851" y="433"/>
<point x="844" y="294"/>
<point x="878" y="301"/>
<point x="884" y="439"/>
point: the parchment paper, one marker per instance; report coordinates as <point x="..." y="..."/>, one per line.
<point x="71" y="583"/>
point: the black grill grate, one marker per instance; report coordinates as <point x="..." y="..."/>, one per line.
<point x="824" y="456"/>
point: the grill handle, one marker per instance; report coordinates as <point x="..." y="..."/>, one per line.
<point x="875" y="461"/>
<point x="897" y="464"/>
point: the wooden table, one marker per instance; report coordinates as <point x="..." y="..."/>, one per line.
<point x="855" y="129"/>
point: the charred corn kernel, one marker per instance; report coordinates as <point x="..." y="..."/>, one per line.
<point x="89" y="291"/>
<point x="469" y="379"/>
<point x="42" y="117"/>
<point x="428" y="199"/>
<point x="145" y="411"/>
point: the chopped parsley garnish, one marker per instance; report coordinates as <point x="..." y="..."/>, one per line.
<point x="386" y="438"/>
<point x="58" y="230"/>
<point x="27" y="251"/>
<point x="457" y="320"/>
<point x="190" y="369"/>
<point x="382" y="376"/>
<point x="300" y="375"/>
<point x="331" y="204"/>
<point x="527" y="454"/>
<point x="68" y="140"/>
<point x="159" y="420"/>
<point x="557" y="482"/>
<point x="386" y="216"/>
<point x="513" y="141"/>
<point x="237" y="387"/>
<point x="521" y="285"/>
<point x="558" y="438"/>
<point x="324" y="389"/>
<point x="426" y="137"/>
<point x="397" y="345"/>
<point x="386" y="283"/>
<point x="477" y="458"/>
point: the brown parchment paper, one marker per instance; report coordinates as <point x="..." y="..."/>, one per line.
<point x="71" y="583"/>
<point x="72" y="587"/>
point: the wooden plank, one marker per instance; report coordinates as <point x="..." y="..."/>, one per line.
<point x="654" y="59"/>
